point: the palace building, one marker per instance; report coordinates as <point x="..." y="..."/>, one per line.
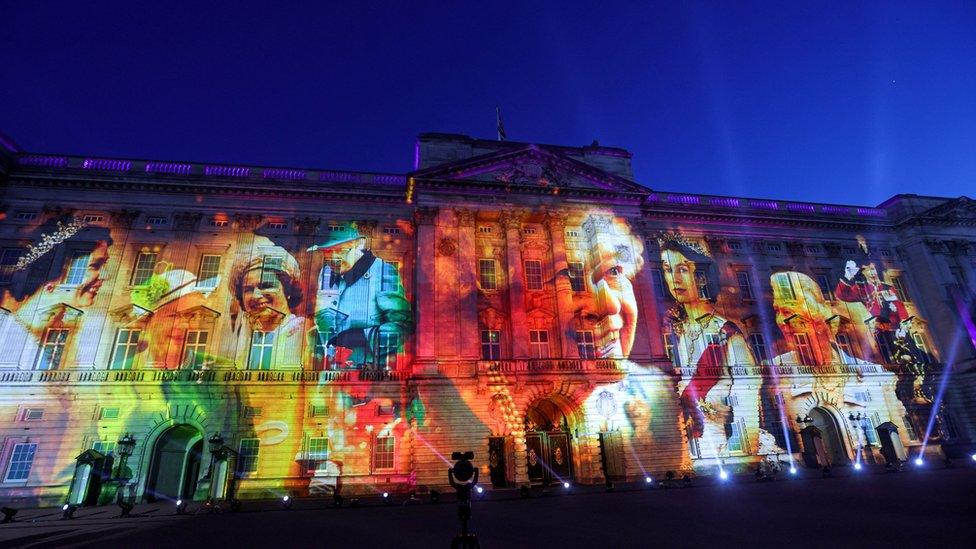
<point x="183" y="330"/>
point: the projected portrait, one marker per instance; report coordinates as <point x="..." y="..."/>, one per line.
<point x="361" y="312"/>
<point x="721" y="413"/>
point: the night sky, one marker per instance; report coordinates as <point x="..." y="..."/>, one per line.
<point x="847" y="102"/>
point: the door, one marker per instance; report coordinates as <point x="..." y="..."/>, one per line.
<point x="548" y="456"/>
<point x="833" y="446"/>
<point x="175" y="464"/>
<point x="496" y="462"/>
<point x="612" y="456"/>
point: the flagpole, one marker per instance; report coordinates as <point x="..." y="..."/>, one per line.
<point x="498" y="124"/>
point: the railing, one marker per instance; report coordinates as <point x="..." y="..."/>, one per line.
<point x="550" y="366"/>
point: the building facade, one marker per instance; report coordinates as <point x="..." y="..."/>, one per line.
<point x="267" y="331"/>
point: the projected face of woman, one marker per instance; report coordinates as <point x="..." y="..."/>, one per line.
<point x="264" y="300"/>
<point x="679" y="274"/>
<point x="612" y="308"/>
<point x="87" y="291"/>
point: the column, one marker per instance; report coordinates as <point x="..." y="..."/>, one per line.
<point x="512" y="221"/>
<point x="425" y="276"/>
<point x="467" y="285"/>
<point x="556" y="223"/>
<point x="646" y="300"/>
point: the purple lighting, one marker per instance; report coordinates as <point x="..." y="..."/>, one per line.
<point x="227" y="171"/>
<point x="107" y="164"/>
<point x="44" y="161"/>
<point x="684" y="199"/>
<point x="872" y="212"/>
<point x="397" y="180"/>
<point x="339" y="177"/>
<point x="168" y="167"/>
<point x="796" y="207"/>
<point x="764" y="204"/>
<point x="280" y="173"/>
<point x="725" y="202"/>
<point x="835" y="210"/>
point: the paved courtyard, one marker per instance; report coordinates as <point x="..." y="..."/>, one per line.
<point x="933" y="507"/>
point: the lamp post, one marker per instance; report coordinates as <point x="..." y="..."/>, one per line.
<point x="803" y="419"/>
<point x="216" y="443"/>
<point x="126" y="445"/>
<point x="218" y="468"/>
<point x="862" y="421"/>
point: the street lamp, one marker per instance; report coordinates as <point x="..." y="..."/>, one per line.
<point x="803" y="419"/>
<point x="126" y="445"/>
<point x="865" y="443"/>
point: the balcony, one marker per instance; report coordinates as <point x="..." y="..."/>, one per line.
<point x="551" y="366"/>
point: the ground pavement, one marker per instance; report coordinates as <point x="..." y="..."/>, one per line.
<point x="929" y="506"/>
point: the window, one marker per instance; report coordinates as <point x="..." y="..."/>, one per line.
<point x="108" y="414"/>
<point x="383" y="452"/>
<point x="219" y="223"/>
<point x="319" y="410"/>
<point x="735" y="245"/>
<point x="847" y="353"/>
<point x="885" y="253"/>
<point x="919" y="340"/>
<point x="738" y="442"/>
<point x="277" y="225"/>
<point x="126" y="347"/>
<point x="910" y="428"/>
<point x="253" y="411"/>
<point x="773" y="247"/>
<point x="871" y="431"/>
<point x="8" y="261"/>
<point x="758" y="346"/>
<point x="539" y="340"/>
<point x="262" y="347"/>
<point x="26" y="216"/>
<point x="247" y="459"/>
<point x="93" y="218"/>
<point x="701" y="279"/>
<point x="745" y="285"/>
<point x="863" y="396"/>
<point x="585" y="344"/>
<point x="529" y="230"/>
<point x="886" y="344"/>
<point x="803" y="349"/>
<point x="145" y="265"/>
<point x="823" y="281"/>
<point x="783" y="288"/>
<point x="269" y="266"/>
<point x="156" y="220"/>
<point x="387" y="351"/>
<point x="195" y="349"/>
<point x="319" y="347"/>
<point x="104" y="446"/>
<point x="391" y="230"/>
<point x="533" y="275"/>
<point x="318" y="448"/>
<point x="657" y="279"/>
<point x="21" y="460"/>
<point x="207" y="275"/>
<point x="669" y="344"/>
<point x="484" y="229"/>
<point x="32" y="414"/>
<point x="77" y="268"/>
<point x="491" y="345"/>
<point x="713" y="350"/>
<point x="336" y="228"/>
<point x="900" y="290"/>
<point x="52" y="350"/>
<point x="390" y="281"/>
<point x="486" y="274"/>
<point x="576" y="280"/>
<point x="572" y="234"/>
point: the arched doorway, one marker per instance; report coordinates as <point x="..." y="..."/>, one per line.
<point x="548" y="452"/>
<point x="175" y="466"/>
<point x="833" y="444"/>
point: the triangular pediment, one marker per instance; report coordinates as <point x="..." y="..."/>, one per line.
<point x="60" y="311"/>
<point x="532" y="167"/>
<point x="959" y="209"/>
<point x="129" y="313"/>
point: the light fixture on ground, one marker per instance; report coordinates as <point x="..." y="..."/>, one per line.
<point x="722" y="474"/>
<point x="286" y="502"/>
<point x="919" y="462"/>
<point x="68" y="511"/>
<point x="973" y="456"/>
<point x="479" y="489"/>
<point x="8" y="515"/>
<point x="180" y="507"/>
<point x="387" y="500"/>
<point x="566" y="485"/>
<point x="648" y="480"/>
<point x="793" y="470"/>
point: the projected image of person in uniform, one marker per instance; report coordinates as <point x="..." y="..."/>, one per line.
<point x="709" y="345"/>
<point x="360" y="308"/>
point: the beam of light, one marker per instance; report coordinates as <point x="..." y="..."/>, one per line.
<point x="943" y="380"/>
<point x="432" y="449"/>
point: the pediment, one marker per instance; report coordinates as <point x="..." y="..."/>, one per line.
<point x="959" y="209"/>
<point x="199" y="312"/>
<point x="532" y="167"/>
<point x="130" y="313"/>
<point x="60" y="311"/>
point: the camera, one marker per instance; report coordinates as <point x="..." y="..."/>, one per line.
<point x="458" y="456"/>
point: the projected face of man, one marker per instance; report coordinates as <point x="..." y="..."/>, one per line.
<point x="350" y="253"/>
<point x="612" y="308"/>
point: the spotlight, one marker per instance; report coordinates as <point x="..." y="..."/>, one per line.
<point x="723" y="475"/>
<point x="286" y="503"/>
<point x="608" y="486"/>
<point x="524" y="491"/>
<point x="337" y="499"/>
<point x="479" y="489"/>
<point x="387" y="500"/>
<point x="919" y="462"/>
<point x="236" y="505"/>
<point x="68" y="511"/>
<point x="648" y="480"/>
<point x="435" y="496"/>
<point x="973" y="456"/>
<point x="857" y="466"/>
<point x="566" y="485"/>
<point x="792" y="470"/>
<point x="686" y="480"/>
<point x="826" y="472"/>
<point x="180" y="507"/>
<point x="8" y="514"/>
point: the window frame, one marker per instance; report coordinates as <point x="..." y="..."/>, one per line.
<point x="199" y="349"/>
<point x="494" y="348"/>
<point x="577" y="275"/>
<point x="139" y="270"/>
<point x="586" y="344"/>
<point x="247" y="461"/>
<point x="126" y="348"/>
<point x="533" y="275"/>
<point x="539" y="344"/>
<point x="488" y="277"/>
<point x="59" y="346"/>
<point x="12" y="461"/>
<point x="378" y="452"/>
<point x="265" y="347"/>
<point x="201" y="272"/>
<point x="744" y="282"/>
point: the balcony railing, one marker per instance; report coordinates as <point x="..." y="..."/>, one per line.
<point x="553" y="365"/>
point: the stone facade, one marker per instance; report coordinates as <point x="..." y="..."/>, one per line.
<point x="531" y="303"/>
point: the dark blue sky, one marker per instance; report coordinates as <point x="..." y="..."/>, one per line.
<point x="830" y="102"/>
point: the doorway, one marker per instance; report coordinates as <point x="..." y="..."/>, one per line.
<point x="548" y="451"/>
<point x="832" y="445"/>
<point x="175" y="466"/>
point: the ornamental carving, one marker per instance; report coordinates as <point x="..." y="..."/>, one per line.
<point x="425" y="215"/>
<point x="186" y="221"/>
<point x="446" y="247"/>
<point x="123" y="218"/>
<point x="247" y="222"/>
<point x="511" y="220"/>
<point x="307" y="225"/>
<point x="597" y="224"/>
<point x="465" y="217"/>
<point x="556" y="222"/>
